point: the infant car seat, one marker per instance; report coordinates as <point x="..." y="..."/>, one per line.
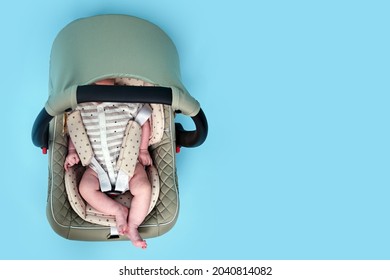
<point x="121" y="47"/>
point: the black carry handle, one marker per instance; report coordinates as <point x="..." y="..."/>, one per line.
<point x="125" y="94"/>
<point x="192" y="138"/>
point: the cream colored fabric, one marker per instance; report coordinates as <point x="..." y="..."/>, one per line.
<point x="157" y="124"/>
<point x="79" y="137"/>
<point x="128" y="155"/>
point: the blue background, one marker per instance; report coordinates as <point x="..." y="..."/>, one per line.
<point x="296" y="165"/>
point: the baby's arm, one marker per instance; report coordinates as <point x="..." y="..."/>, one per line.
<point x="72" y="158"/>
<point x="144" y="156"/>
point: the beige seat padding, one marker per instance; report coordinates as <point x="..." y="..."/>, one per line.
<point x="79" y="137"/>
<point x="128" y="155"/>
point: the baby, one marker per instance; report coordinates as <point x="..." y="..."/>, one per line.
<point x="127" y="220"/>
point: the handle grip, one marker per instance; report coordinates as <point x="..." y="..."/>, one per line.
<point x="195" y="138"/>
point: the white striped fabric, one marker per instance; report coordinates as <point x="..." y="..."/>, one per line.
<point x="105" y="124"/>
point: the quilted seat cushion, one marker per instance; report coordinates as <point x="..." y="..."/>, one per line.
<point x="69" y="224"/>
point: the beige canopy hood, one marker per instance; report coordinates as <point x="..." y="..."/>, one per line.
<point x="111" y="46"/>
<point x="105" y="46"/>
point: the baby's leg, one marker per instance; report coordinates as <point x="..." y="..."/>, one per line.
<point x="141" y="189"/>
<point x="90" y="190"/>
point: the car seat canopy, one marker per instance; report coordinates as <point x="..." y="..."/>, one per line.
<point x="107" y="46"/>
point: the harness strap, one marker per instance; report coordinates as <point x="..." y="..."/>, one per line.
<point x="79" y="136"/>
<point x="104" y="181"/>
<point x="128" y="155"/>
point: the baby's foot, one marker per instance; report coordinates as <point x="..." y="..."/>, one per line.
<point x="121" y="220"/>
<point x="133" y="234"/>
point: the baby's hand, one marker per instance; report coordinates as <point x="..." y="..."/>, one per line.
<point x="145" y="158"/>
<point x="71" y="159"/>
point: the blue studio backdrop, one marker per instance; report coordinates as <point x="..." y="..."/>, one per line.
<point x="296" y="164"/>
